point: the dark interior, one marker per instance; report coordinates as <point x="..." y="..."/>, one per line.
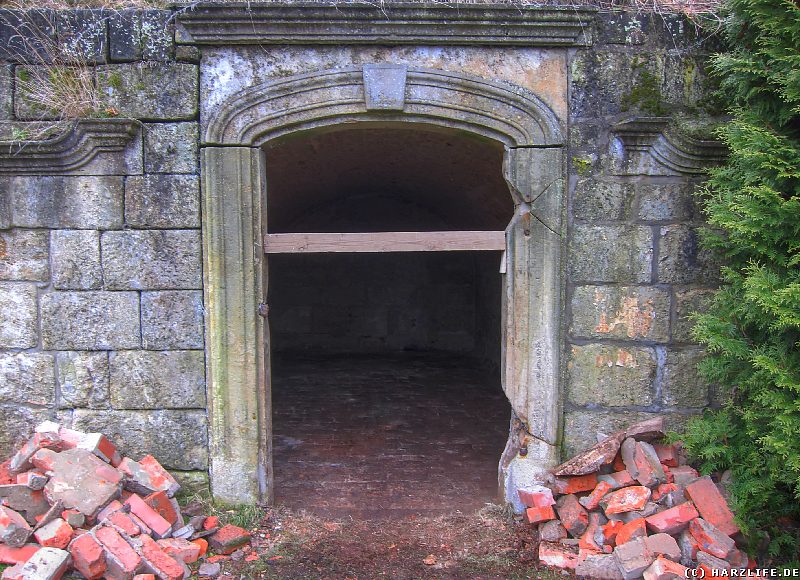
<point x="385" y="381"/>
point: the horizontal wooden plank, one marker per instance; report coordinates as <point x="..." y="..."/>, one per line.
<point x="384" y="242"/>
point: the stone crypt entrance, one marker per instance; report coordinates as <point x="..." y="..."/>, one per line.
<point x="304" y="165"/>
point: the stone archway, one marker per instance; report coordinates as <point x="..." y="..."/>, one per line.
<point x="232" y="166"/>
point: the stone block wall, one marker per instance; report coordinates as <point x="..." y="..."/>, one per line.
<point x="101" y="303"/>
<point x="100" y="267"/>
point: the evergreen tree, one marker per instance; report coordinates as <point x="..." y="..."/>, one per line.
<point x="752" y="330"/>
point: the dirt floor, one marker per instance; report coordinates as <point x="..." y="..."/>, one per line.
<point x="487" y="544"/>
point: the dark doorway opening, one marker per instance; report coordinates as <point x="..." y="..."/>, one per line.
<point x="386" y="395"/>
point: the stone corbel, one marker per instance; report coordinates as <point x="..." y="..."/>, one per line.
<point x="71" y="152"/>
<point x="651" y="147"/>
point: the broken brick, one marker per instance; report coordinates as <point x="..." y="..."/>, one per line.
<point x="534" y="515"/>
<point x="184" y="550"/>
<point x="20" y="555"/>
<point x="591" y="501"/>
<point x="80" y="482"/>
<point x="669" y="455"/>
<point x="56" y="534"/>
<point x="632" y="530"/>
<point x="663" y="569"/>
<point x="14" y="530"/>
<point x="626" y="499"/>
<point x="707" y="563"/>
<point x="32" y="480"/>
<point x="664" y="545"/>
<point x="88" y="556"/>
<point x="588" y="540"/>
<point x="122" y="561"/>
<point x="662" y="490"/>
<point x="46" y="564"/>
<point x="74" y="518"/>
<point x="617" y="479"/>
<point x="210" y="523"/>
<point x="158" y="561"/>
<point x="203" y="545"/>
<point x="572" y="514"/>
<point x="162" y="504"/>
<point x="5" y="474"/>
<point x="558" y="555"/>
<point x="159" y="526"/>
<point x="711" y="539"/>
<point x="650" y="470"/>
<point x="672" y="520"/>
<point x="124" y="523"/>
<point x="633" y="558"/>
<point x="592" y="459"/>
<point x="145" y="577"/>
<point x="711" y="505"/>
<point x="602" y="566"/>
<point x="537" y="496"/>
<point x="551" y="531"/>
<point x="31" y="504"/>
<point x="610" y="531"/>
<point x="108" y="510"/>
<point x="689" y="547"/>
<point x="577" y="484"/>
<point x="43" y="459"/>
<point x="684" y="475"/>
<point x="228" y="538"/>
<point x="99" y="445"/>
<point x="21" y="461"/>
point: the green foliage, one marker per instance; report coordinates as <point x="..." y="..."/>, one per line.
<point x="752" y="330"/>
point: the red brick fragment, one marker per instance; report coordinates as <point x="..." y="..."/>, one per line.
<point x="663" y="569"/>
<point x="162" y="504"/>
<point x="572" y="514"/>
<point x="673" y="520"/>
<point x="577" y="484"/>
<point x="159" y="476"/>
<point x="46" y="564"/>
<point x="592" y="501"/>
<point x="5" y="474"/>
<point x="32" y="479"/>
<point x="108" y="510"/>
<point x="633" y="558"/>
<point x="159" y="562"/>
<point x="633" y="529"/>
<point x="121" y="559"/>
<point x="74" y="518"/>
<point x="202" y="544"/>
<point x="145" y="577"/>
<point x="610" y="531"/>
<point x="123" y="522"/>
<point x="558" y="555"/>
<point x="668" y="454"/>
<point x="55" y="534"/>
<point x="9" y="555"/>
<point x="626" y="499"/>
<point x="709" y="563"/>
<point x="160" y="527"/>
<point x="43" y="459"/>
<point x="711" y="505"/>
<point x="14" y="530"/>
<point x="588" y="541"/>
<point x="536" y="496"/>
<point x="662" y="490"/>
<point x="711" y="539"/>
<point x="618" y="479"/>
<point x="664" y="545"/>
<point x="99" y="444"/>
<point x="684" y="475"/>
<point x="88" y="557"/>
<point x="619" y="464"/>
<point x="210" y="523"/>
<point x="534" y="515"/>
<point x="182" y="550"/>
<point x="228" y="538"/>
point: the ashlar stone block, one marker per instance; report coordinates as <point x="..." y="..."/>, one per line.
<point x="688" y="302"/>
<point x="177" y="438"/>
<point x="76" y="259"/>
<point x="6" y="92"/>
<point x="616" y="254"/>
<point x="18" y="316"/>
<point x="27" y="378"/>
<point x="172" y="319"/>
<point x="158" y="379"/>
<point x="82" y="379"/>
<point x="665" y="202"/>
<point x="64" y="202"/>
<point x="610" y="376"/>
<point x="152" y="259"/>
<point x="681" y="260"/>
<point x="90" y="320"/>
<point x="162" y="201"/>
<point x="151" y="91"/>
<point x="601" y="200"/>
<point x="24" y="255"/>
<point x="682" y="386"/>
<point x="626" y="312"/>
<point x="171" y="147"/>
<point x="23" y="419"/>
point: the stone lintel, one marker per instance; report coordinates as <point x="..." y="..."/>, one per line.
<point x="391" y="23"/>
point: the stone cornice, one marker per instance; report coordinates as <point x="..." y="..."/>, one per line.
<point x="651" y="137"/>
<point x="68" y="152"/>
<point x="389" y="24"/>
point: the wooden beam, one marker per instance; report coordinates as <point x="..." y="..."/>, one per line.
<point x="384" y="242"/>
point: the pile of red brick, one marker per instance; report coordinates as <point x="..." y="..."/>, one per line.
<point x="70" y="503"/>
<point x="630" y="507"/>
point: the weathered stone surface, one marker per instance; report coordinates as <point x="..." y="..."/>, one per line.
<point x="162" y="201"/>
<point x="686" y="303"/>
<point x="24" y="255"/>
<point x="620" y="312"/>
<point x="90" y="320"/>
<point x="157" y="380"/>
<point x="681" y="384"/>
<point x="172" y="319"/>
<point x="64" y="202"/>
<point x="171" y="147"/>
<point x="18" y="316"/>
<point x="152" y="259"/>
<point x="6" y="92"/>
<point x="192" y="482"/>
<point x="663" y="202"/>
<point x="596" y="371"/>
<point x="23" y="420"/>
<point x="178" y="439"/>
<point x="581" y="426"/>
<point x="27" y="378"/>
<point x="140" y="35"/>
<point x="151" y="91"/>
<point x="681" y="260"/>
<point x="82" y="379"/>
<point x="76" y="259"/>
<point x="610" y="254"/>
<point x="601" y="200"/>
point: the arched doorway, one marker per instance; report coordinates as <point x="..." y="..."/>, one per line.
<point x="234" y="229"/>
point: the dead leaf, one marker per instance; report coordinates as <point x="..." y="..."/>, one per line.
<point x="430" y="560"/>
